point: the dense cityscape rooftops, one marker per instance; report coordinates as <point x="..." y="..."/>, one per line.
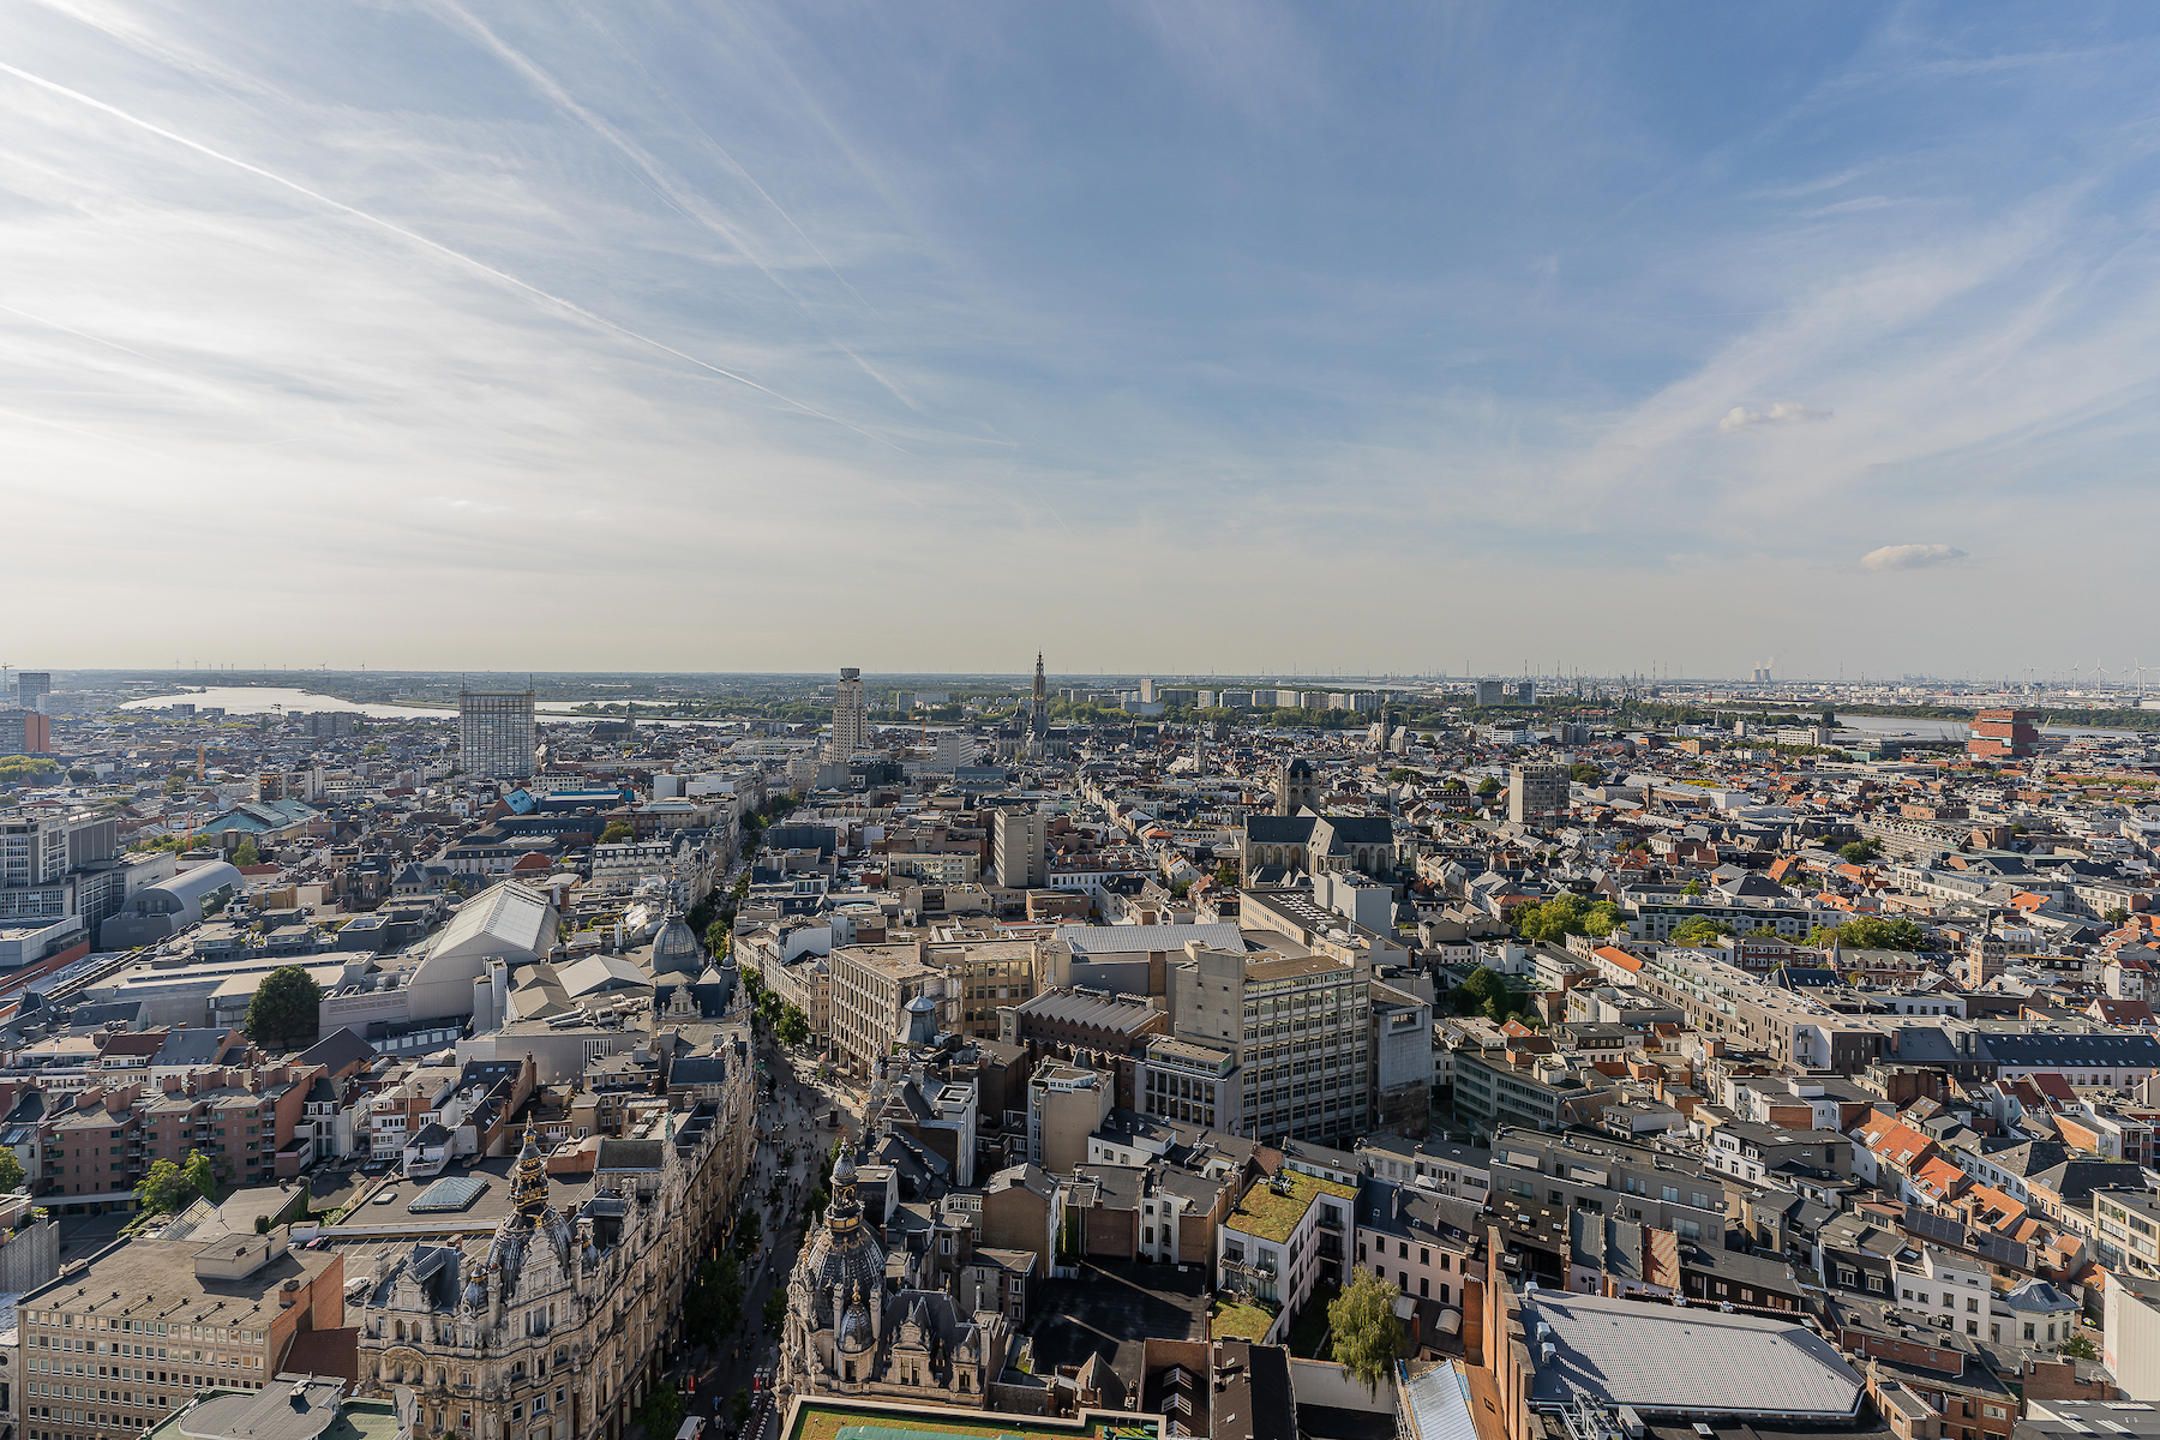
<point x="1588" y="1033"/>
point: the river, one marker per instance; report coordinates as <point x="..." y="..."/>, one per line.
<point x="269" y="699"/>
<point x="1906" y="727"/>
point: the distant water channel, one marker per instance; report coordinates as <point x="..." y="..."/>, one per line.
<point x="275" y="699"/>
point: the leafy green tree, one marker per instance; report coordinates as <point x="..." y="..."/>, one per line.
<point x="1693" y="889"/>
<point x="176" y="784"/>
<point x="616" y="832"/>
<point x="1487" y="992"/>
<point x="1487" y="788"/>
<point x="27" y="770"/>
<point x="162" y="1189"/>
<point x="1226" y="875"/>
<point x="1699" y="930"/>
<point x="11" y="1172"/>
<point x="2116" y="916"/>
<point x="286" y="1012"/>
<point x="1871" y="932"/>
<point x="1552" y="921"/>
<point x="1859" y="852"/>
<point x="1401" y="775"/>
<point x="1364" y="1336"/>
<point x="1601" y="919"/>
<point x="792" y="1028"/>
<point x="2080" y="1347"/>
<point x="246" y="853"/>
<point x="168" y="1187"/>
<point x="200" y="1173"/>
<point x="712" y="1307"/>
<point x="661" y="1413"/>
<point x="749" y="1230"/>
<point x="1582" y="772"/>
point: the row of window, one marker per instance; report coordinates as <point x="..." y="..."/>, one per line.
<point x="1424" y="1284"/>
<point x="66" y="1320"/>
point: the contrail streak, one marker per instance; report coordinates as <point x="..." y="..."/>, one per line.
<point x="102" y="437"/>
<point x="724" y="153"/>
<point x="664" y="181"/>
<point x="414" y="237"/>
<point x="636" y="154"/>
<point x="71" y="330"/>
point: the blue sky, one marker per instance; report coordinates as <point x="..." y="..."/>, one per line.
<point x="1172" y="336"/>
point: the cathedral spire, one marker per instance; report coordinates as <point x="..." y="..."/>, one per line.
<point x="1039" y="708"/>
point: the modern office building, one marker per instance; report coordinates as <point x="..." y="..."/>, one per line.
<point x="1192" y="1081"/>
<point x="850" y="722"/>
<point x="984" y="975"/>
<point x="25" y="732"/>
<point x="33" y="849"/>
<point x="874" y="993"/>
<point x="1300" y="1029"/>
<point x="1537" y="792"/>
<point x="2004" y="735"/>
<point x="495" y="732"/>
<point x="61" y="876"/>
<point x="31" y="688"/>
<point x="1020" y="849"/>
<point x="227" y="1313"/>
<point x="1488" y="694"/>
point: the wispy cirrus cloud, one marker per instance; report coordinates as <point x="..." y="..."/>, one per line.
<point x="1129" y="294"/>
<point x="1910" y="557"/>
<point x="1783" y="412"/>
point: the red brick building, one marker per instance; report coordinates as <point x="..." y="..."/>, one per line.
<point x="99" y="1141"/>
<point x="2004" y="735"/>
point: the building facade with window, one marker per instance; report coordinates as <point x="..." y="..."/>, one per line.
<point x="553" y="1326"/>
<point x="495" y="733"/>
<point x="109" y="1350"/>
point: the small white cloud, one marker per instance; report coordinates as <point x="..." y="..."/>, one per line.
<point x="1740" y="417"/>
<point x="1910" y="557"/>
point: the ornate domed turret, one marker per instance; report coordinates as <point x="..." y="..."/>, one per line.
<point x="845" y="1255"/>
<point x="856" y="1334"/>
<point x="528" y="1180"/>
<point x="675" y="950"/>
<point x="846" y="1211"/>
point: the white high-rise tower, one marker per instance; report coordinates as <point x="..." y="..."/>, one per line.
<point x="850" y="722"/>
